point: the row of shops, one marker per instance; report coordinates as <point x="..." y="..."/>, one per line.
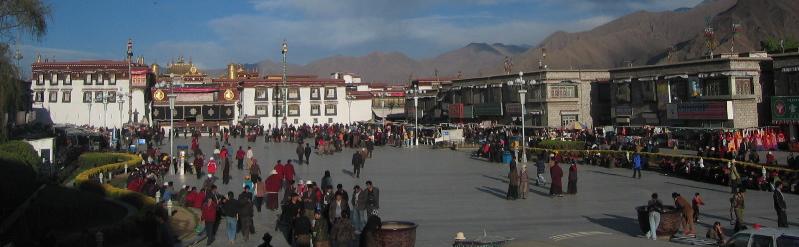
<point x="728" y="91"/>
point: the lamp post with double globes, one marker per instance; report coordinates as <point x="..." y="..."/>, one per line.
<point x="522" y="93"/>
<point x="121" y="100"/>
<point x="350" y="98"/>
<point x="522" y="100"/>
<point x="175" y="82"/>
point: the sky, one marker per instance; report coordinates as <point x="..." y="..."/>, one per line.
<point x="215" y="32"/>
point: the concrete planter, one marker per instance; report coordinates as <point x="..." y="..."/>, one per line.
<point x="397" y="234"/>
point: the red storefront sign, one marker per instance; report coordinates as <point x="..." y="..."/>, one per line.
<point x="456" y="110"/>
<point x="710" y="110"/>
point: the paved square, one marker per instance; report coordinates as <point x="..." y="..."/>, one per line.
<point x="445" y="192"/>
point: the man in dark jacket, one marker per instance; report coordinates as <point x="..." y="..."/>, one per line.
<point x="302" y="232"/>
<point x="357" y="163"/>
<point x="779" y="206"/>
<point x="370" y="146"/>
<point x="372" y="199"/>
<point x="359" y="206"/>
<point x="307" y="153"/>
<point x="231" y="211"/>
<point x="245" y="217"/>
<point x="300" y="151"/>
<point x="290" y="211"/>
<point x="540" y="168"/>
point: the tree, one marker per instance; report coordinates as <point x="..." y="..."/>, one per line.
<point x="17" y="17"/>
<point x="772" y="45"/>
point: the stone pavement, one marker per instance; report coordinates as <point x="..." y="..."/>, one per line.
<point x="445" y="192"/>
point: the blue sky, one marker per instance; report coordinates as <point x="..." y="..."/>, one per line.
<point x="216" y="32"/>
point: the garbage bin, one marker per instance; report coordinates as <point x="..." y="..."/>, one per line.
<point x="507" y="157"/>
<point x="670" y="220"/>
<point x="397" y="234"/>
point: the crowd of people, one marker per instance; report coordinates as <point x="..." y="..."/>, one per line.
<point x="307" y="211"/>
<point x="324" y="214"/>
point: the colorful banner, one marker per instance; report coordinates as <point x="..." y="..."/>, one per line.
<point x="702" y="110"/>
<point x="784" y="109"/>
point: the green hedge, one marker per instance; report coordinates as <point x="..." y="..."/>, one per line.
<point x="558" y="145"/>
<point x="113" y="162"/>
<point x="21" y="152"/>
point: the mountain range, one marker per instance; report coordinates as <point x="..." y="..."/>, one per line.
<point x="639" y="38"/>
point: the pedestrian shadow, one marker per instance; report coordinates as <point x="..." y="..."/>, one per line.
<point x="697" y="187"/>
<point x="611" y="174"/>
<point x="530" y="186"/>
<point x="540" y="193"/>
<point x="348" y="172"/>
<point x="492" y="191"/>
<point x="775" y="220"/>
<point x="503" y="180"/>
<point x="617" y="223"/>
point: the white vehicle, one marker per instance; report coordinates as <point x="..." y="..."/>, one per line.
<point x="765" y="237"/>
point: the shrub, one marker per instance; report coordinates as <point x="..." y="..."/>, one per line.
<point x="17" y="183"/>
<point x="561" y="145"/>
<point x="113" y="162"/>
<point x="22" y="152"/>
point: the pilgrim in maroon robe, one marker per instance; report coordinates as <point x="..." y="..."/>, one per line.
<point x="556" y="173"/>
<point x="273" y="184"/>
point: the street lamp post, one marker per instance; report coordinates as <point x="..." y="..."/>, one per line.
<point x="416" y="116"/>
<point x="350" y="98"/>
<point x="121" y="101"/>
<point x="174" y="82"/>
<point x="89" y="121"/>
<point x="130" y="80"/>
<point x="284" y="51"/>
<point x="522" y="100"/>
<point x="105" y="111"/>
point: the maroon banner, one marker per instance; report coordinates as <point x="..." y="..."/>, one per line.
<point x="456" y="110"/>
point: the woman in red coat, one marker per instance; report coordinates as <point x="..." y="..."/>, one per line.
<point x="209" y="217"/>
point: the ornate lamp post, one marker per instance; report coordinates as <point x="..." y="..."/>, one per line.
<point x="416" y="92"/>
<point x="89" y="120"/>
<point x="350" y="98"/>
<point x="522" y="93"/>
<point x="284" y="51"/>
<point x="175" y="82"/>
<point x="121" y="100"/>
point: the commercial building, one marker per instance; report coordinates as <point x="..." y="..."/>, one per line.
<point x="785" y="102"/>
<point x="95" y="92"/>
<point x="427" y="91"/>
<point x="554" y="98"/>
<point x="723" y="92"/>
<point x="388" y="101"/>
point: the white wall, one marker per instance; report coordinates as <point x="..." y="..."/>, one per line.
<point x="44" y="143"/>
<point x="77" y="112"/>
<point x="249" y="103"/>
<point x="361" y="110"/>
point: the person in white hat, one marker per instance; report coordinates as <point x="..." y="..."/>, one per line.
<point x="459" y="237"/>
